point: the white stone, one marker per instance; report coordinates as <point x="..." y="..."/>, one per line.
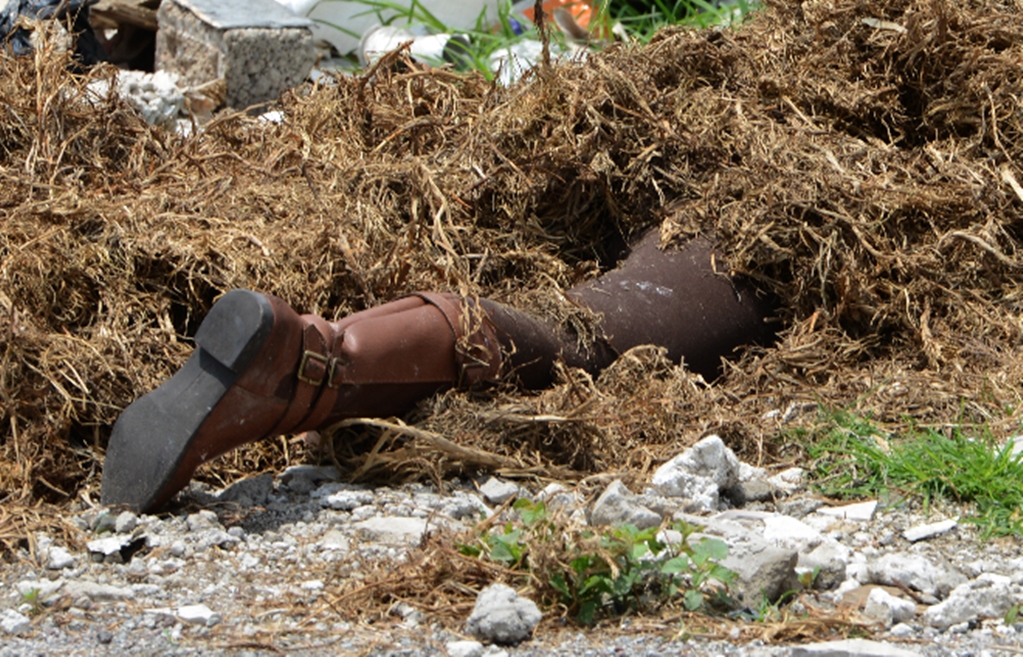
<point x="347" y="500"/>
<point x="852" y="648"/>
<point x="95" y="591"/>
<point x="550" y="490"/>
<point x="501" y="616"/>
<point x="312" y="585"/>
<point x="921" y="532"/>
<point x="126" y="522"/>
<point x="59" y="558"/>
<point x="334" y="540"/>
<point x="107" y="546"/>
<point x="198" y="615"/>
<point x="497" y="491"/>
<point x="902" y="631"/>
<point x="203" y="521"/>
<point x="912" y="570"/>
<point x="464" y="649"/>
<point x="41" y="589"/>
<point x="988" y="596"/>
<point x="830" y="560"/>
<point x="617" y="506"/>
<point x="789" y="480"/>
<point x="392" y="531"/>
<point x="862" y="511"/>
<point x="748" y="473"/>
<point x="884" y="606"/>
<point x="791" y="533"/>
<point x="698" y="475"/>
<point x="11" y="622"/>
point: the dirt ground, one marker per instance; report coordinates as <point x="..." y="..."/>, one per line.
<point x="860" y="159"/>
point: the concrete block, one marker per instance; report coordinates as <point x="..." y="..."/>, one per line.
<point x="257" y="47"/>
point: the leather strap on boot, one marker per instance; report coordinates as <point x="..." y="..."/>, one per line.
<point x="477" y="349"/>
<point x="317" y="367"/>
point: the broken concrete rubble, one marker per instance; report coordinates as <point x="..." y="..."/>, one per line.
<point x="258" y="48"/>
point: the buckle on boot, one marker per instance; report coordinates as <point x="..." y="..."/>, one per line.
<point x="311" y="356"/>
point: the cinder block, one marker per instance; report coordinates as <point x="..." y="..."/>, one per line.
<point x="257" y="47"/>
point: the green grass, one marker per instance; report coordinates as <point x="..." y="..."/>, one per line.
<point x="853" y="458"/>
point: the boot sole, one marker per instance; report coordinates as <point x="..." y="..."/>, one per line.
<point x="152" y="436"/>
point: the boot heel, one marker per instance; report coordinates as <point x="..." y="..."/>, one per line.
<point x="236" y="328"/>
<point x="146" y="458"/>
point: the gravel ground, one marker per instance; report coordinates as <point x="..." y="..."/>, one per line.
<point x="259" y="582"/>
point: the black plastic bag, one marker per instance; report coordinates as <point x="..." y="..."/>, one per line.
<point x="75" y="13"/>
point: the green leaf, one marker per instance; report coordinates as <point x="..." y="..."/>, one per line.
<point x="505" y="553"/>
<point x="639" y="550"/>
<point x="559" y="585"/>
<point x="581" y="564"/>
<point x="600" y="583"/>
<point x="693" y="600"/>
<point x="587" y="612"/>
<point x="469" y="550"/>
<point x="623" y="584"/>
<point x="722" y="574"/>
<point x="679" y="564"/>
<point x="712" y="548"/>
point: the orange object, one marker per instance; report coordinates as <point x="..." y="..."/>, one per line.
<point x="580" y="10"/>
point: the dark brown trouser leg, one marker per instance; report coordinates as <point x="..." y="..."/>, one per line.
<point x="672" y="298"/>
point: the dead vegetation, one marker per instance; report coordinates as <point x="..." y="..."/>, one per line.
<point x="859" y="158"/>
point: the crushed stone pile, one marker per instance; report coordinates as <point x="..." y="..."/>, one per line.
<point x="859" y="159"/>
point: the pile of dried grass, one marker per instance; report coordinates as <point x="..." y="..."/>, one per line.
<point x="858" y="157"/>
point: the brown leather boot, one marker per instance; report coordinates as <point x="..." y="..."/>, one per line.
<point x="262" y="370"/>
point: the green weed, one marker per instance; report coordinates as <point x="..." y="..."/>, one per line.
<point x="33" y="598"/>
<point x="609" y="572"/>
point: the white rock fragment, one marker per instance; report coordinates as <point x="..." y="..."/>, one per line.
<point x="861" y="511"/>
<point x="198" y="615"/>
<point x="788" y="532"/>
<point x="42" y="590"/>
<point x="852" y="648"/>
<point x="913" y="570"/>
<point x="464" y="649"/>
<point x="617" y="506"/>
<point x="497" y="491"/>
<point x="829" y="561"/>
<point x="108" y="549"/>
<point x="11" y="622"/>
<point x="988" y="596"/>
<point x="922" y="532"/>
<point x="902" y="631"/>
<point x="347" y="500"/>
<point x="126" y="522"/>
<point x="334" y="540"/>
<point x="698" y="475"/>
<point x="203" y="521"/>
<point x="95" y="591"/>
<point x="392" y="531"/>
<point x="501" y="616"/>
<point x="888" y="608"/>
<point x="789" y="480"/>
<point x="59" y="558"/>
